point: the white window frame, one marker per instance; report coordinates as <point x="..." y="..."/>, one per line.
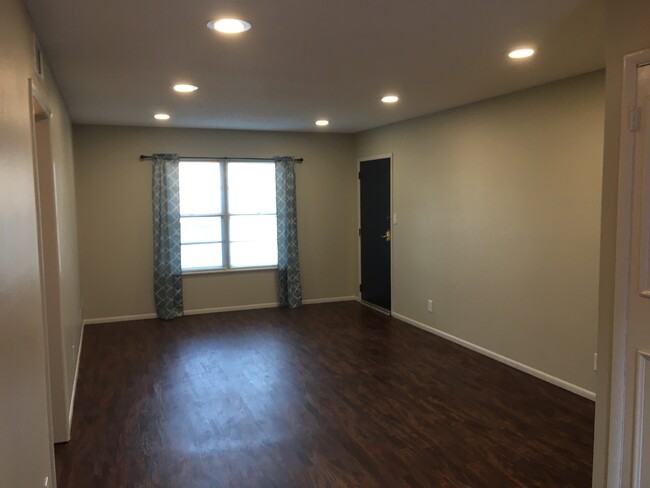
<point x="225" y="223"/>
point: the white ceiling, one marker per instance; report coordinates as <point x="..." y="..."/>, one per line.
<point x="115" y="60"/>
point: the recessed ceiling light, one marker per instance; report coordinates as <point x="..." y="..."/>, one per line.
<point x="229" y="26"/>
<point x="390" y="99"/>
<point x="161" y="116"/>
<point x="521" y="53"/>
<point x="183" y="88"/>
<point x="322" y="122"/>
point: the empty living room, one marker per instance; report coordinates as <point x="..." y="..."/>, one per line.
<point x="324" y="244"/>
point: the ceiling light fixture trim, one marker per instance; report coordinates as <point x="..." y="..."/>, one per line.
<point x="322" y="122"/>
<point x="161" y="116"/>
<point x="390" y="99"/>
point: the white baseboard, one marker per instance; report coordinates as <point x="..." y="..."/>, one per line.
<point x="234" y="308"/>
<point x="502" y="359"/>
<point x="375" y="307"/>
<point x="313" y="301"/>
<point x="120" y="318"/>
<point x="200" y="311"/>
<point x="74" y="381"/>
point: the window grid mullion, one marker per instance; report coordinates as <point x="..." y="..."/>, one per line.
<point x="191" y="216"/>
<point x="225" y="221"/>
<point x="200" y="242"/>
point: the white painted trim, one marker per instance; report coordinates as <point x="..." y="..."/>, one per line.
<point x="199" y="311"/>
<point x="35" y="96"/>
<point x="502" y="359"/>
<point x="121" y="318"/>
<point x="255" y="306"/>
<point x="207" y="271"/>
<point x="375" y="307"/>
<point x="313" y="301"/>
<point x="74" y="381"/>
<point x="618" y="380"/>
<point x="234" y="308"/>
<point x="643" y="359"/>
<point x="35" y="92"/>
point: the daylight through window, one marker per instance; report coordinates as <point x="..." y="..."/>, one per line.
<point x="228" y="215"/>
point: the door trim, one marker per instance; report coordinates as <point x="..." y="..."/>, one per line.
<point x="643" y="370"/>
<point x="392" y="233"/>
<point x="616" y="429"/>
<point x="35" y="96"/>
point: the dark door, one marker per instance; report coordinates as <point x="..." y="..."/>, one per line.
<point x="374" y="185"/>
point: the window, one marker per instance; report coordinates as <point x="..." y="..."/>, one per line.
<point x="228" y="215"/>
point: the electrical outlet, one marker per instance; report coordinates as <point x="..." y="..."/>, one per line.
<point x="429" y="306"/>
<point x="595" y="361"/>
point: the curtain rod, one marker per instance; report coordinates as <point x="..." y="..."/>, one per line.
<point x="222" y="158"/>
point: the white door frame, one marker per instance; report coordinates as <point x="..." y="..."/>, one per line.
<point x="35" y="96"/>
<point x="616" y="447"/>
<point x="392" y="233"/>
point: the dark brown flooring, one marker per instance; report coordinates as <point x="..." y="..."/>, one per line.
<point x="331" y="395"/>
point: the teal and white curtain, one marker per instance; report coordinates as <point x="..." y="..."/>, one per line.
<point x="288" y="260"/>
<point x="167" y="273"/>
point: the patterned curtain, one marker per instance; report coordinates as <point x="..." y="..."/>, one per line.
<point x="288" y="261"/>
<point x="167" y="275"/>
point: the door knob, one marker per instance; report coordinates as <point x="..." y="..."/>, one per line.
<point x="386" y="236"/>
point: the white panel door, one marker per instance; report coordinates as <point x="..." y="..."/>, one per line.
<point x="636" y="445"/>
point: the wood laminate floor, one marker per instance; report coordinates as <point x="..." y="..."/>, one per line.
<point x="333" y="395"/>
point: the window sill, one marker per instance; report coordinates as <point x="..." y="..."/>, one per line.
<point x="192" y="272"/>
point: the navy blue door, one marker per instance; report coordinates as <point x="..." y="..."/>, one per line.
<point x="375" y="232"/>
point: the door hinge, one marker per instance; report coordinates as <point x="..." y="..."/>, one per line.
<point x="360" y="287"/>
<point x="359" y="174"/>
<point x="359" y="231"/>
<point x="634" y="119"/>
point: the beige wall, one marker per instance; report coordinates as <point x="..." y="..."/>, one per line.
<point x="25" y="438"/>
<point x="115" y="235"/>
<point x="627" y="32"/>
<point x="498" y="209"/>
